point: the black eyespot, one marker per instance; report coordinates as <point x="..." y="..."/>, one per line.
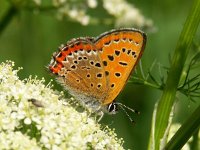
<point x="107" y="43"/>
<point x="130" y="40"/>
<point x="99" y="85"/>
<point x="123" y="63"/>
<point x="123" y="49"/>
<point x="80" y="58"/>
<point x="91" y="85"/>
<point x="77" y="80"/>
<point x="117" y="74"/>
<point x="117" y="52"/>
<point x="128" y="52"/>
<point x="73" y="67"/>
<point x="88" y="51"/>
<point x="135" y="56"/>
<point x="124" y="39"/>
<point x="88" y="76"/>
<point x="70" y="54"/>
<point x="85" y="58"/>
<point x="116" y="40"/>
<point x="112" y="85"/>
<point x="92" y="62"/>
<point x="110" y="57"/>
<point x="75" y="61"/>
<point x="99" y="75"/>
<point x="133" y="53"/>
<point x="105" y="63"/>
<point x="98" y="65"/>
<point x="106" y="73"/>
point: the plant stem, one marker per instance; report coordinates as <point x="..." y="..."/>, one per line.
<point x="168" y="97"/>
<point x="7" y="18"/>
<point x="144" y="82"/>
<point x="185" y="131"/>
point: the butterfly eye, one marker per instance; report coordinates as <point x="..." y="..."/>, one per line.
<point x="112" y="108"/>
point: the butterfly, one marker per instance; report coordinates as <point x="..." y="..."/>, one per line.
<point x="95" y="70"/>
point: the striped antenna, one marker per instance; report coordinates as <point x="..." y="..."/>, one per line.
<point x="122" y="106"/>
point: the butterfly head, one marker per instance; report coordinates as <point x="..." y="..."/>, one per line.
<point x="112" y="108"/>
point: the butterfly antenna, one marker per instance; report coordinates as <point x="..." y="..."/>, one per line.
<point x="132" y="110"/>
<point x="129" y="117"/>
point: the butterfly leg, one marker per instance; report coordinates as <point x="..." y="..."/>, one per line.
<point x="100" y="114"/>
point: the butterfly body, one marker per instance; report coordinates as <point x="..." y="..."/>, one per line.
<point x="95" y="70"/>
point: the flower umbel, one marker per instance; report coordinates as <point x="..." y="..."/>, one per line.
<point x="40" y="118"/>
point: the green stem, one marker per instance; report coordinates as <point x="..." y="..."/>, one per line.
<point x="185" y="131"/>
<point x="168" y="97"/>
<point x="144" y="82"/>
<point x="7" y="18"/>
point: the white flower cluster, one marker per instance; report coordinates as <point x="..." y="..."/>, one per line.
<point x="33" y="116"/>
<point x="75" y="10"/>
<point x="125" y="14"/>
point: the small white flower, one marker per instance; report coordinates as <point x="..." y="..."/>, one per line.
<point x="13" y="115"/>
<point x="85" y="20"/>
<point x="92" y="3"/>
<point x="27" y="121"/>
<point x="73" y="13"/>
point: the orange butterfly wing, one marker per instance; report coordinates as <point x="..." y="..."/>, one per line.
<point x="120" y="50"/>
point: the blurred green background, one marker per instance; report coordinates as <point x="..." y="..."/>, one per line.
<point x="29" y="39"/>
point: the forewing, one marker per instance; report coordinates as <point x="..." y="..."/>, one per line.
<point x="120" y="50"/>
